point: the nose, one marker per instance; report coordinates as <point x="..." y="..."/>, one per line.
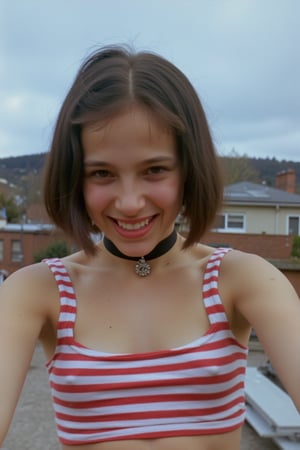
<point x="130" y="199"/>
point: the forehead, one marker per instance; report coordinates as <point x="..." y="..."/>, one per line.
<point x="136" y="124"/>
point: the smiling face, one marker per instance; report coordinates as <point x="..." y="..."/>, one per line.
<point x="132" y="180"/>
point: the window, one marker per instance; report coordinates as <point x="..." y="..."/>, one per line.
<point x="293" y="225"/>
<point x="230" y="222"/>
<point x="1" y="250"/>
<point x="16" y="251"/>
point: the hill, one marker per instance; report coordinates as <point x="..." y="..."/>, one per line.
<point x="14" y="167"/>
<point x="21" y="176"/>
<point x="258" y="170"/>
<point x="24" y="172"/>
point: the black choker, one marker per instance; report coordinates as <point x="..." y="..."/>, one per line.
<point x="142" y="267"/>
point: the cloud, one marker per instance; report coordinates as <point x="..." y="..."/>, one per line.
<point x="241" y="56"/>
<point x="26" y="122"/>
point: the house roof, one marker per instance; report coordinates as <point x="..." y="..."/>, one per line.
<point x="249" y="193"/>
<point x="26" y="228"/>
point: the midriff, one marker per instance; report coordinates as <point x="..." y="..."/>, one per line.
<point x="225" y="441"/>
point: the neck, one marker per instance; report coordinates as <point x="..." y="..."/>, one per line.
<point x="161" y="248"/>
<point x="142" y="267"/>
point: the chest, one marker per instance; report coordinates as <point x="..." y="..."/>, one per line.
<point x="136" y="316"/>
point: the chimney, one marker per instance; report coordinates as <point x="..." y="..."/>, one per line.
<point x="286" y="180"/>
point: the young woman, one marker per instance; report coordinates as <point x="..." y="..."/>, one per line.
<point x="145" y="332"/>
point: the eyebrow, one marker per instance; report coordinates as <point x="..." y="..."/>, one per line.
<point x="155" y="160"/>
<point x="95" y="163"/>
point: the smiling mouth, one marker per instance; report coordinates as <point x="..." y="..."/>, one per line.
<point x="128" y="226"/>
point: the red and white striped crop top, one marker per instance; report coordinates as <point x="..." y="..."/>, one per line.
<point x="194" y="389"/>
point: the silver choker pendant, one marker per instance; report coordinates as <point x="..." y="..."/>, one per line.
<point x="142" y="268"/>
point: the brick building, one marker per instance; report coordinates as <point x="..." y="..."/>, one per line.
<point x="20" y="242"/>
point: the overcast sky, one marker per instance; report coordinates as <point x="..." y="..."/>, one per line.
<point x="243" y="57"/>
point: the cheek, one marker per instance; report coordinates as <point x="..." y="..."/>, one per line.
<point x="94" y="198"/>
<point x="170" y="195"/>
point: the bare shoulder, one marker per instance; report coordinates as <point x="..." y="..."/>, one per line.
<point x="250" y="266"/>
<point x="29" y="305"/>
<point x="28" y="286"/>
<point x="241" y="271"/>
<point x="253" y="277"/>
<point x="33" y="274"/>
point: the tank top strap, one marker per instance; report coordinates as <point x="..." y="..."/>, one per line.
<point x="67" y="298"/>
<point x="210" y="290"/>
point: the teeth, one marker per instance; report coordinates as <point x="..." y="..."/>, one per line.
<point x="133" y="226"/>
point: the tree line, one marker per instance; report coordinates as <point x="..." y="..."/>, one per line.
<point x="24" y="177"/>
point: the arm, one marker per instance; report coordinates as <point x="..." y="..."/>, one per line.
<point x="22" y="316"/>
<point x="266" y="299"/>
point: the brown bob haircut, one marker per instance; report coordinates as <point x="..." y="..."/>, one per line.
<point x="108" y="82"/>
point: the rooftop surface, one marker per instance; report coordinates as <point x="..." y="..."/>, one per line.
<point x="252" y="193"/>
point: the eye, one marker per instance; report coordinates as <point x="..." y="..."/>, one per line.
<point x="99" y="173"/>
<point x="156" y="170"/>
<point x="102" y="173"/>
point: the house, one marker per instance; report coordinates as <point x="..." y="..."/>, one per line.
<point x="260" y="209"/>
<point x="259" y="219"/>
